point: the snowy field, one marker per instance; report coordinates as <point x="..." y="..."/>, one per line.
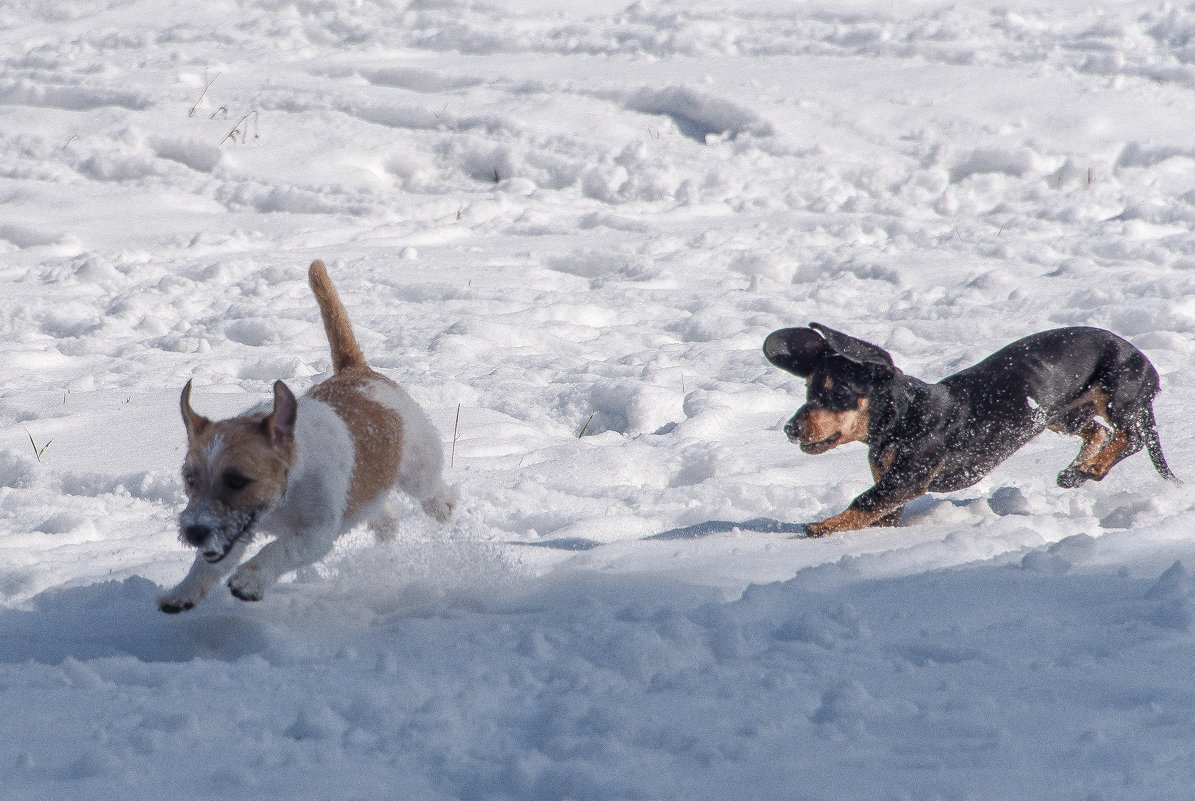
<point x="574" y="217"/>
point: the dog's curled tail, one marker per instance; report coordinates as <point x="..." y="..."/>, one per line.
<point x="345" y="350"/>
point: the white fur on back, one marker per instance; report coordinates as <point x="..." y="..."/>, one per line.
<point x="318" y="483"/>
<point x="422" y="452"/>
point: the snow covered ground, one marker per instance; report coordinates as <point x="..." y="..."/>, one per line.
<point x="572" y="216"/>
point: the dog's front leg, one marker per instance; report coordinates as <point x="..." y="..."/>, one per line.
<point x="288" y="552"/>
<point x="849" y="520"/>
<point x="908" y="477"/>
<point x="199" y="580"/>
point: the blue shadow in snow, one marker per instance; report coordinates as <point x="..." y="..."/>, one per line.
<point x="121" y="618"/>
<point x="764" y="525"/>
<point x="562" y="544"/>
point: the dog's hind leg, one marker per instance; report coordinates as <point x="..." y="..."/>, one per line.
<point x="421" y="473"/>
<point x="1104" y="448"/>
<point x="441" y="505"/>
<point x="426" y="486"/>
<point x="1125" y="399"/>
<point x="384" y="524"/>
<point x="1095" y="437"/>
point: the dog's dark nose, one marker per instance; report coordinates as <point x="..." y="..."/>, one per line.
<point x="792" y="429"/>
<point x="197" y="535"/>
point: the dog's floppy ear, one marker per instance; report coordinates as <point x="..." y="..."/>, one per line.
<point x="796" y="350"/>
<point x="854" y="349"/>
<point x="195" y="423"/>
<point x="279" y="424"/>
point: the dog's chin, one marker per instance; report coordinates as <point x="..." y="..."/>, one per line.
<point x="213" y="558"/>
<point x="246" y="531"/>
<point x="814" y="448"/>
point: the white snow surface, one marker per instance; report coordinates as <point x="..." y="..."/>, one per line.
<point x="566" y="217"/>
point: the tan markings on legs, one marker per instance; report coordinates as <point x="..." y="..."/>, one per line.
<point x="376" y="432"/>
<point x="1091" y="404"/>
<point x="890" y="520"/>
<point x="844" y="521"/>
<point x="1103" y="446"/>
<point x="1098" y="465"/>
<point x="853" y="519"/>
<point x="1095" y="437"/>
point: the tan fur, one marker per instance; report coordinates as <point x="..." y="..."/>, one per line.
<point x="853" y="518"/>
<point x="1102" y="444"/>
<point x="248" y="445"/>
<point x="1095" y="437"/>
<point x="843" y="521"/>
<point x="376" y="432"/>
<point x="1099" y="465"/>
<point x="341" y="339"/>
<point x="247" y="468"/>
<point x="1093" y="403"/>
<point x="244" y="448"/>
<point x="194" y="423"/>
<point x="820" y="425"/>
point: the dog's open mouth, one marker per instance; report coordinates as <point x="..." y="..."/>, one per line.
<point x="226" y="544"/>
<point x="822" y="446"/>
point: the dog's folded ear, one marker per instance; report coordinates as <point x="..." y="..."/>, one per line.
<point x="279" y="425"/>
<point x="796" y="350"/>
<point x="854" y="349"/>
<point x="195" y="423"/>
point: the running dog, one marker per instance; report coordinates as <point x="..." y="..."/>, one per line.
<point x="946" y="436"/>
<point x="305" y="470"/>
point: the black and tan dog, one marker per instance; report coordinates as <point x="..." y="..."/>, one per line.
<point x="946" y="436"/>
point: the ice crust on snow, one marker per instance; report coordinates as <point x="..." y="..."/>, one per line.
<point x="576" y="223"/>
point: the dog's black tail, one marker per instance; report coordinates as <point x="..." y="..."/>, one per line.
<point x="1153" y="445"/>
<point x="345" y="350"/>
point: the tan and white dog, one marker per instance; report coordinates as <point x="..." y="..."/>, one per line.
<point x="305" y="470"/>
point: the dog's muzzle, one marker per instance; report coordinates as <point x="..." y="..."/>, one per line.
<point x="214" y="529"/>
<point x="794" y="429"/>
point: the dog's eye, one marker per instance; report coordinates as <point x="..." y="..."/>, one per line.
<point x="842" y="396"/>
<point x="235" y="481"/>
<point x="189" y="478"/>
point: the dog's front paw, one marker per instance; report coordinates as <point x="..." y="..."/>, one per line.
<point x="172" y="605"/>
<point x="247" y="584"/>
<point x="815" y="530"/>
